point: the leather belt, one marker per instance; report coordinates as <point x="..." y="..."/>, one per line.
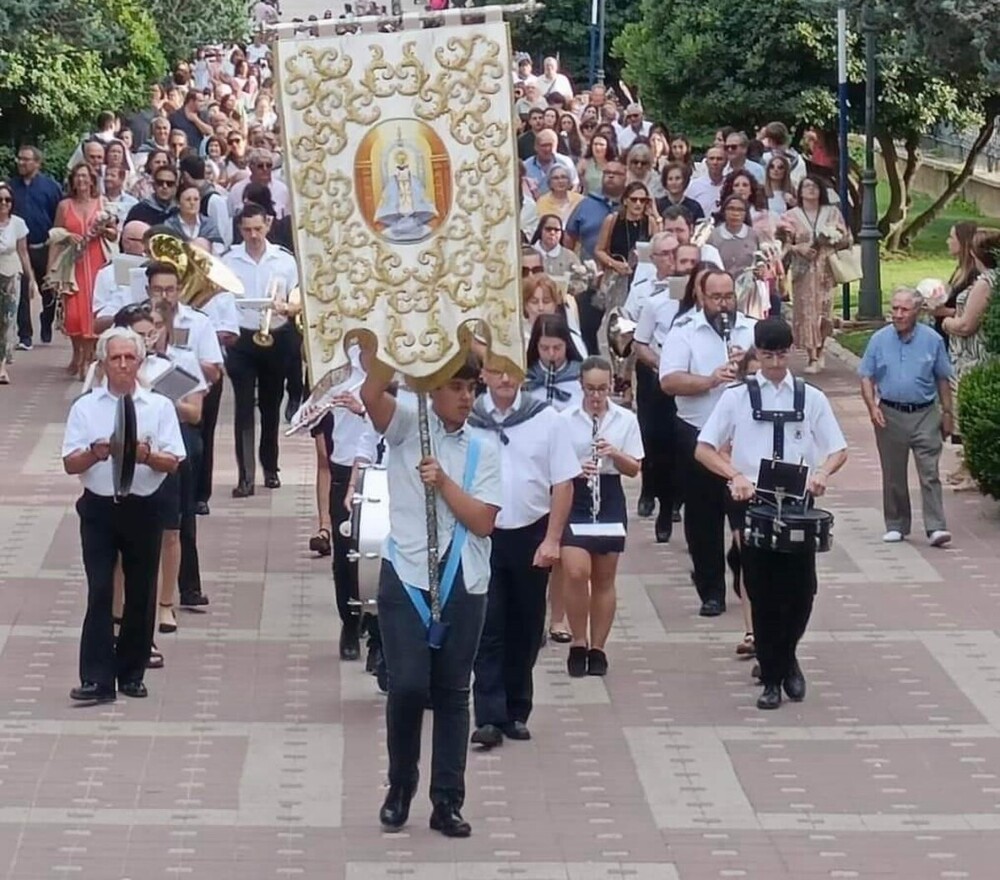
<point x="907" y="407"/>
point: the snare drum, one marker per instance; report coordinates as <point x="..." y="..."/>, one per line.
<point x="369" y="527"/>
<point x="799" y="530"/>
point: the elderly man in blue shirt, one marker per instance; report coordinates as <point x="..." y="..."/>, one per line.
<point x="904" y="383"/>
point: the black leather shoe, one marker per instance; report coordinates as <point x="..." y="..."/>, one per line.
<point x="770" y="698"/>
<point x="646" y="506"/>
<point x="755" y="673"/>
<point x="795" y="683"/>
<point x="576" y="662"/>
<point x="396" y="807"/>
<point x="243" y="490"/>
<point x="676" y="516"/>
<point x="201" y="508"/>
<point x="291" y="408"/>
<point x="135" y="689"/>
<point x="597" y="662"/>
<point x="712" y="608"/>
<point x="448" y="820"/>
<point x="516" y="730"/>
<point x="193" y="600"/>
<point x="91" y="692"/>
<point x="350" y="645"/>
<point x="271" y="480"/>
<point x="489" y="736"/>
<point x="664" y="528"/>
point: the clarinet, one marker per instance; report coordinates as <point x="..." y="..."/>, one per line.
<point x="550" y="381"/>
<point x="595" y="479"/>
<point x="727" y="332"/>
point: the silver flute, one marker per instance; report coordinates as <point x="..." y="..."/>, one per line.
<point x="595" y="478"/>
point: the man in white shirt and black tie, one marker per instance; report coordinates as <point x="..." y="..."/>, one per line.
<point x="131" y="526"/>
<point x="257" y="371"/>
<point x="464" y="470"/>
<point x="538" y="464"/>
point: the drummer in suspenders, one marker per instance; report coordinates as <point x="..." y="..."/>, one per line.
<point x="774" y="416"/>
<point x="464" y="470"/>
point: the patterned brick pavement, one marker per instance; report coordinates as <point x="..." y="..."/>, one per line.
<point x="258" y="755"/>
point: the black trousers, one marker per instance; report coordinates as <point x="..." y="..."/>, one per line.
<point x="590" y="321"/>
<point x="294" y="381"/>
<point x="415" y="670"/>
<point x="512" y="635"/>
<point x="131" y="527"/>
<point x="704" y="495"/>
<point x="189" y="578"/>
<point x="258" y="372"/>
<point x="656" y="413"/>
<point x="39" y="259"/>
<point x="209" y="419"/>
<point x="345" y="575"/>
<point x="781" y="587"/>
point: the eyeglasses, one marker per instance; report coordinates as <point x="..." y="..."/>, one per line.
<point x="596" y="390"/>
<point x="162" y="181"/>
<point x="267" y="165"/>
<point x="531" y="270"/>
<point x="638" y="200"/>
<point x="639" y="162"/>
<point x="719" y="297"/>
<point x="662" y="253"/>
<point x="732" y="148"/>
<point x="163" y="291"/>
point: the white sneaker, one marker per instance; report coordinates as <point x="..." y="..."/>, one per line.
<point x="821" y="361"/>
<point x="939" y="538"/>
<point x="894" y="536"/>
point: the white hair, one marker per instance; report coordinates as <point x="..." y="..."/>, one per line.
<point x="126" y="333"/>
<point x="915" y="296"/>
<point x="661" y="237"/>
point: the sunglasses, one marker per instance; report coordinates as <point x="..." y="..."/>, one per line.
<point x="267" y="165"/>
<point x="638" y="200"/>
<point x="165" y="182"/>
<point x="143" y="308"/>
<point x="6" y="201"/>
<point x="731" y="148"/>
<point x="639" y="162"/>
<point x="526" y="271"/>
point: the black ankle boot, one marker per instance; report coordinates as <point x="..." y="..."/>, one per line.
<point x="350" y="642"/>
<point x="733" y="561"/>
<point x="396" y="807"/>
<point x="448" y="820"/>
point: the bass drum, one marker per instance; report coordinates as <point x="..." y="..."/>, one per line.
<point x="369" y="529"/>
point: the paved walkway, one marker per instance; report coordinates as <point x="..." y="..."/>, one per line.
<point x="259" y="755"/>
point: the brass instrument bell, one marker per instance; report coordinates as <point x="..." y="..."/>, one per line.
<point x="202" y="274"/>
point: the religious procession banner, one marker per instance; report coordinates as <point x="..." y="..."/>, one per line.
<point x="401" y="162"/>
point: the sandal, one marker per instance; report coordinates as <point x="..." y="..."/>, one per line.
<point x="155" y="660"/>
<point x="168" y="623"/>
<point x="560" y="636"/>
<point x="320" y="542"/>
<point x="746" y="648"/>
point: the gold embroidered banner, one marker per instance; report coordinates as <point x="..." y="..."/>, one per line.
<point x="401" y="163"/>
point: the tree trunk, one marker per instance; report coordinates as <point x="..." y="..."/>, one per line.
<point x="896" y="209"/>
<point x="921" y="221"/>
<point x="910" y="165"/>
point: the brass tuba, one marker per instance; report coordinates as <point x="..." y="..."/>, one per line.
<point x="202" y="274"/>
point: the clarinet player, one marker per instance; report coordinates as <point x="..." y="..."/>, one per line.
<point x="464" y="471"/>
<point x="700" y="357"/>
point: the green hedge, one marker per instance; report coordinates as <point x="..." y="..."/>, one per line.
<point x="979" y="422"/>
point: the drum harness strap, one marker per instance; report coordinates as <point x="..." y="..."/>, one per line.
<point x="421" y="598"/>
<point x="778" y="417"/>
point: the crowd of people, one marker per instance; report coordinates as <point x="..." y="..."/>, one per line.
<point x="617" y="214"/>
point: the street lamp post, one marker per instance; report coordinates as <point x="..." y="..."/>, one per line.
<point x="601" y="10"/>
<point x="870" y="300"/>
<point x="842" y="127"/>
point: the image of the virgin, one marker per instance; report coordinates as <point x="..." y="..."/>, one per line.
<point x="404" y="209"/>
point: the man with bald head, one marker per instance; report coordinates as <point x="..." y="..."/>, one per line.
<point x="546" y="158"/>
<point x="109" y="296"/>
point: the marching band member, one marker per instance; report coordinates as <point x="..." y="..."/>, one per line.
<point x="606" y="440"/>
<point x="130" y="526"/>
<point x="700" y="356"/>
<point x="188" y="341"/>
<point x="538" y="464"/>
<point x="254" y="370"/>
<point x="553" y="377"/>
<point x="781" y="585"/>
<point x="464" y="469"/>
<point x="109" y="296"/>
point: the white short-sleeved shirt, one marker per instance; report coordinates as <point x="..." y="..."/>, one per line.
<point x="277" y="264"/>
<point x="693" y="346"/>
<point x="15" y="230"/>
<point x="536" y="458"/>
<point x="655" y="320"/>
<point x="407" y="523"/>
<point x="222" y="312"/>
<point x="809" y="442"/>
<point x="705" y="193"/>
<point x="92" y="419"/>
<point x="201" y="338"/>
<point x="618" y="426"/>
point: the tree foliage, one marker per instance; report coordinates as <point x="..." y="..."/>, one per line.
<point x="186" y="24"/>
<point x="562" y="28"/>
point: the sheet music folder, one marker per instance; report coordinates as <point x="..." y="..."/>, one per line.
<point x="597" y="530"/>
<point x="782" y="477"/>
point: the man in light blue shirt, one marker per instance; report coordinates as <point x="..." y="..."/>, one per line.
<point x="904" y="373"/>
<point x="545" y="159"/>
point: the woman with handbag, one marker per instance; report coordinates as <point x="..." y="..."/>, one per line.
<point x="637" y="221"/>
<point x="817" y="247"/>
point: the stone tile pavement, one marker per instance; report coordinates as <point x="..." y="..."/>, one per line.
<point x="258" y="755"/>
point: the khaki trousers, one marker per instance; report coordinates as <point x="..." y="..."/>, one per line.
<point x="919" y="432"/>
